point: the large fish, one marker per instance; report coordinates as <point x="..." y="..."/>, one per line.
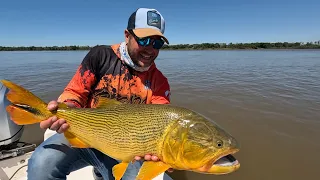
<point x="181" y="138"/>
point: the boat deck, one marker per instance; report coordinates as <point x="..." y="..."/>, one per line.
<point x="17" y="169"/>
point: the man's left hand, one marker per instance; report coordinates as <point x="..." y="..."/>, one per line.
<point x="147" y="157"/>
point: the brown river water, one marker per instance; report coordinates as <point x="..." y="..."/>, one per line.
<point x="269" y="100"/>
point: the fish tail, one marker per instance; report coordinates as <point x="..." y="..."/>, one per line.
<point x="26" y="108"/>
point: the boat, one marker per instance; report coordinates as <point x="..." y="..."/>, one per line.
<point x="14" y="154"/>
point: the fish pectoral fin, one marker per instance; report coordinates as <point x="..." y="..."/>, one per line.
<point x="106" y="102"/>
<point x="119" y="170"/>
<point x="151" y="169"/>
<point x="74" y="141"/>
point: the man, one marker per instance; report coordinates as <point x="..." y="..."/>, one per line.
<point x="125" y="72"/>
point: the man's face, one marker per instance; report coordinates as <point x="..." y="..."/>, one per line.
<point x="142" y="56"/>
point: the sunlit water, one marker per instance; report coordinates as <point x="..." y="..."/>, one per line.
<point x="269" y="100"/>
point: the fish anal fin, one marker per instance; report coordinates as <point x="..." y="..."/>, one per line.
<point x="106" y="102"/>
<point x="119" y="170"/>
<point x="74" y="141"/>
<point x="151" y="169"/>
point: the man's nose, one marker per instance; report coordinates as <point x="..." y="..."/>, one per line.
<point x="149" y="47"/>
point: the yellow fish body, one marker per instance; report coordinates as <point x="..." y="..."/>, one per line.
<point x="181" y="138"/>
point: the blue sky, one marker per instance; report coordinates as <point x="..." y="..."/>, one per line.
<point x="79" y="22"/>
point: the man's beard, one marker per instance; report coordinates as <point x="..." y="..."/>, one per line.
<point x="133" y="56"/>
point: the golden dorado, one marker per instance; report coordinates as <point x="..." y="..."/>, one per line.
<point x="181" y="138"/>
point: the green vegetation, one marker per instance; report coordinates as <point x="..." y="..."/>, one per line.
<point x="258" y="45"/>
<point x="203" y="46"/>
<point x="46" y="48"/>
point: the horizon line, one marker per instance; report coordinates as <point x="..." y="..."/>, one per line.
<point x="270" y="42"/>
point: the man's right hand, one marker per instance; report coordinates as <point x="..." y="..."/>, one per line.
<point x="53" y="123"/>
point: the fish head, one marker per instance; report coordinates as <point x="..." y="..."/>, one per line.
<point x="197" y="144"/>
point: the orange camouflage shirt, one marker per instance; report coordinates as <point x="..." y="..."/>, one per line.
<point x="103" y="74"/>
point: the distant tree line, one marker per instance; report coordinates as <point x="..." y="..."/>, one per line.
<point x="44" y="48"/>
<point x="257" y="45"/>
<point x="203" y="46"/>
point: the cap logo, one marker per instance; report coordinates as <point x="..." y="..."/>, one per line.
<point x="154" y="19"/>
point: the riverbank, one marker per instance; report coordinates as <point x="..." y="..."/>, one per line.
<point x="202" y="46"/>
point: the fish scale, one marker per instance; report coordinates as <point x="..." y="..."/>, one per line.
<point x="126" y="133"/>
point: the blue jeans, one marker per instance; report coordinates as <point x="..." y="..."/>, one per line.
<point x="55" y="159"/>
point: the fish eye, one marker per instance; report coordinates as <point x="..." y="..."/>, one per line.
<point x="219" y="143"/>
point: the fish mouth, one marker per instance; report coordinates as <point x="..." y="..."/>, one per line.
<point x="228" y="160"/>
<point x="224" y="164"/>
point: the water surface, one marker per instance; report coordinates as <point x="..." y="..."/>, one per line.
<point x="269" y="100"/>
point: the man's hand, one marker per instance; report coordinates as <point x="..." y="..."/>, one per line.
<point x="53" y="123"/>
<point x="149" y="157"/>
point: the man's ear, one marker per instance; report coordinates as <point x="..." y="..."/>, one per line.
<point x="126" y="36"/>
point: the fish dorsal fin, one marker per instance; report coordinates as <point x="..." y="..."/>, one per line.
<point x="104" y="102"/>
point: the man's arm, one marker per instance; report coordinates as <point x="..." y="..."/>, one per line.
<point x="80" y="86"/>
<point x="77" y="91"/>
<point x="161" y="91"/>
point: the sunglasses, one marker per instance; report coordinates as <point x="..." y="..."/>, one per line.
<point x="156" y="43"/>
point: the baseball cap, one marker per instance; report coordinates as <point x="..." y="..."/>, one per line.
<point x="147" y="22"/>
